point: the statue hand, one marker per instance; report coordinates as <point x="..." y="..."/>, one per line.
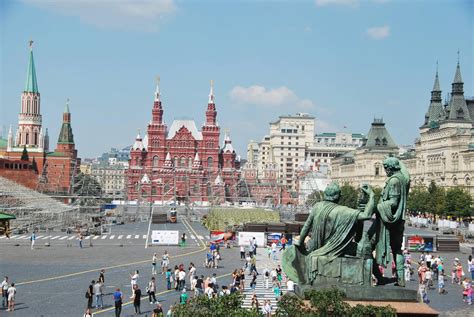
<point x="367" y="189"/>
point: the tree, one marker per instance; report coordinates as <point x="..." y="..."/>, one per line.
<point x="349" y="196"/>
<point x="203" y="306"/>
<point x="327" y="302"/>
<point x="24" y="154"/>
<point x="437" y="200"/>
<point x="418" y="199"/>
<point x="458" y="202"/>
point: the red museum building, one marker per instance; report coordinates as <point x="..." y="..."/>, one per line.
<point x="181" y="162"/>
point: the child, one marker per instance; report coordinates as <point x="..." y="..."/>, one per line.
<point x="441" y="278"/>
<point x="422" y="293"/>
<point x="469" y="292"/>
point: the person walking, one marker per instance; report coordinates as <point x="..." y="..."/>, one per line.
<point x="152" y="290"/>
<point x="11" y="297"/>
<point x="253" y="282"/>
<point x="191" y="274"/>
<point x="99" y="303"/>
<point x="242" y="253"/>
<point x="33" y="239"/>
<point x="470" y="266"/>
<point x="441" y="281"/>
<point x="102" y="277"/>
<point x="169" y="279"/>
<point x="266" y="277"/>
<point x="5" y="285"/>
<point x="90" y="294"/>
<point x="118" y="299"/>
<point x="134" y="281"/>
<point x="183" y="240"/>
<point x="283" y="242"/>
<point x="274" y="251"/>
<point x="182" y="279"/>
<point x="153" y="264"/>
<point x="81" y="238"/>
<point x="183" y="299"/>
<point x="165" y="261"/>
<point x="137" y="296"/>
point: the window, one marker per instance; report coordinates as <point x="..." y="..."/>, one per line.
<point x="209" y="162"/>
<point x="190" y="162"/>
<point x="302" y="127"/>
<point x="377" y="171"/>
<point x="166" y="188"/>
<point x="377" y="141"/>
<point x="155" y="161"/>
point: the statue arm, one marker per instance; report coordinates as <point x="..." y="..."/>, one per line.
<point x="369" y="207"/>
<point x="305" y="230"/>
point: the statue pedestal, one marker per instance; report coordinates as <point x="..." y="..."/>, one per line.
<point x="353" y="276"/>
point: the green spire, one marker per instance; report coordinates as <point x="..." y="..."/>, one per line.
<point x="66" y="107"/>
<point x="31" y="83"/>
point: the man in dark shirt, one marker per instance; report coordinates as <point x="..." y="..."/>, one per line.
<point x="137" y="295"/>
<point x="199" y="284"/>
<point x="90" y="292"/>
<point x="158" y="311"/>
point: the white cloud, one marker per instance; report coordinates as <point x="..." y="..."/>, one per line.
<point x="274" y="97"/>
<point x="378" y="32"/>
<point x="137" y="15"/>
<point x="351" y="3"/>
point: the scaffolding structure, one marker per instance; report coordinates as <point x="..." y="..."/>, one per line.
<point x="34" y="210"/>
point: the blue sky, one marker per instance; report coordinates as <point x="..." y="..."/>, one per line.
<point x="344" y="61"/>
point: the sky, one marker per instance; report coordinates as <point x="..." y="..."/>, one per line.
<point x="343" y="61"/>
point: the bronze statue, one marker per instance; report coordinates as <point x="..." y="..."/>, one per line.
<point x="332" y="229"/>
<point x="386" y="233"/>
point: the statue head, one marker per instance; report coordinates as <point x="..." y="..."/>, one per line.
<point x="391" y="165"/>
<point x="332" y="192"/>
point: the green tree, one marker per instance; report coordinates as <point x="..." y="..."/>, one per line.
<point x="203" y="306"/>
<point x="418" y="199"/>
<point x="458" y="202"/>
<point x="437" y="199"/>
<point x="24" y="154"/>
<point x="349" y="196"/>
<point x="327" y="302"/>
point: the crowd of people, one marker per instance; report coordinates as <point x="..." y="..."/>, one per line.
<point x="433" y="273"/>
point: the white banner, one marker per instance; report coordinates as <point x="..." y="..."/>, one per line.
<point x="168" y="237"/>
<point x="246" y="237"/>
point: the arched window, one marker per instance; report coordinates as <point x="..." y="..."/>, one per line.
<point x="209" y="162"/>
<point x="28" y="105"/>
<point x="182" y="162"/>
<point x="377" y="141"/>
<point x="27" y="138"/>
<point x="384" y="142"/>
<point x="137" y="161"/>
<point x="155" y="161"/>
<point x="190" y="162"/>
<point x="36" y="138"/>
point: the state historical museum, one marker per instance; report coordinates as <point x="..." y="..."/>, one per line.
<point x="181" y="162"/>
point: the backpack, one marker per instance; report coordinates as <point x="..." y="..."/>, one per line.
<point x="88" y="295"/>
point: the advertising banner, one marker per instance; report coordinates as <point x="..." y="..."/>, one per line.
<point x="274" y="237"/>
<point x="167" y="237"/>
<point x="246" y="237"/>
<point x="221" y="237"/>
<point x="419" y="243"/>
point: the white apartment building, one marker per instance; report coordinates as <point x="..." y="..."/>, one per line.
<point x="330" y="144"/>
<point x="111" y="179"/>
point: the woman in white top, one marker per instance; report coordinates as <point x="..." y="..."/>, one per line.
<point x="191" y="274"/>
<point x="11" y="297"/>
<point x="165" y="261"/>
<point x="134" y="279"/>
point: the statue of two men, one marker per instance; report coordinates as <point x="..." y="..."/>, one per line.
<point x="336" y="230"/>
